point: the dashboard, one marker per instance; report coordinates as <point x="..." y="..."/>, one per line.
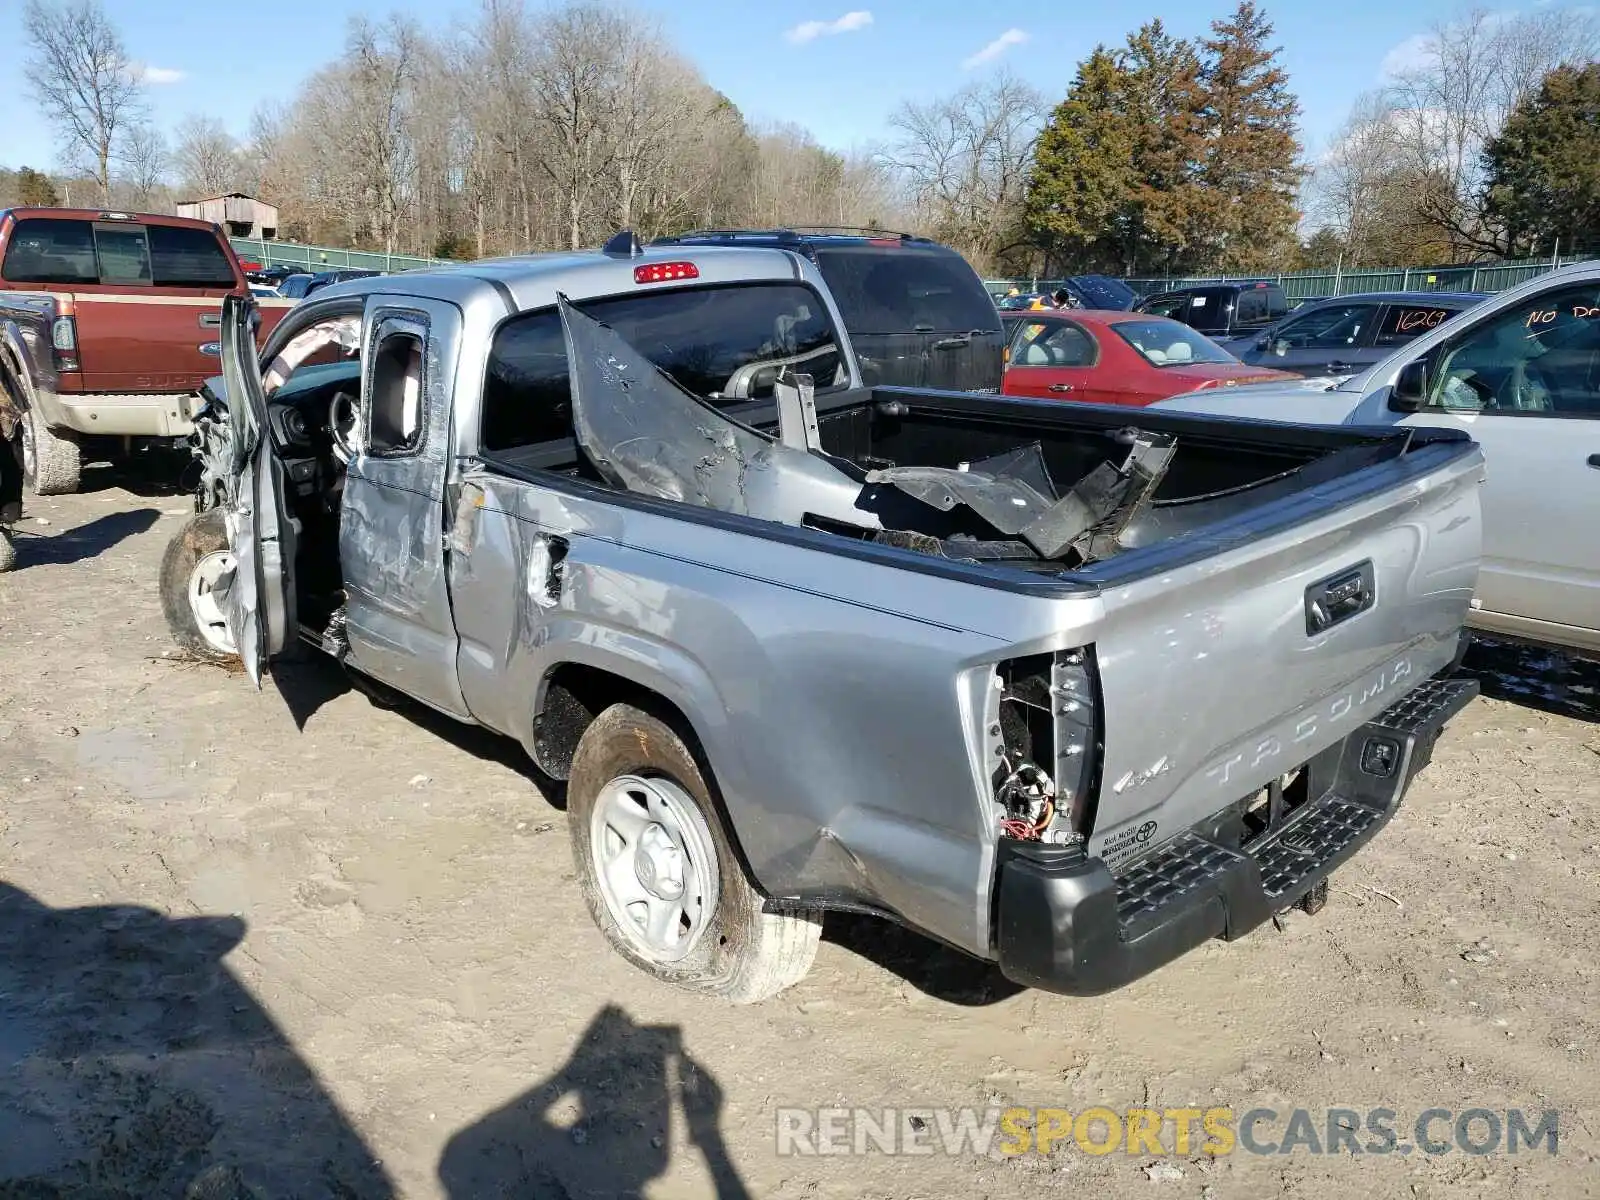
<point x="302" y="414"/>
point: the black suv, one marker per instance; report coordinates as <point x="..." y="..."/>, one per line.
<point x="1224" y="312"/>
<point x="916" y="311"/>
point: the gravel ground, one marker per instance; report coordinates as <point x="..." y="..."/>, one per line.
<point x="287" y="943"/>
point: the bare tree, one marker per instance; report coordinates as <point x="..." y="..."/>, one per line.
<point x="965" y="161"/>
<point x="1471" y="72"/>
<point x="1365" y="189"/>
<point x="527" y="129"/>
<point x="572" y="81"/>
<point x="146" y="159"/>
<point x="84" y="81"/>
<point x="206" y="155"/>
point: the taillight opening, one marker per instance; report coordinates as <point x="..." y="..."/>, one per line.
<point x="1044" y="746"/>
<point x="64" y="343"/>
<point x="665" y="272"/>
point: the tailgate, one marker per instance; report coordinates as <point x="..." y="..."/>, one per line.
<point x="128" y="342"/>
<point x="1231" y="670"/>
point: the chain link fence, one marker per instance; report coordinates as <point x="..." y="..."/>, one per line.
<point x="327" y="258"/>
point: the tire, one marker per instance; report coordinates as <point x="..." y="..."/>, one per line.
<point x="8" y="550"/>
<point x="194" y="556"/>
<point x="731" y="948"/>
<point x="52" y="463"/>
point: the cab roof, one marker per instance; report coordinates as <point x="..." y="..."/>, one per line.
<point x="21" y="213"/>
<point x="528" y="281"/>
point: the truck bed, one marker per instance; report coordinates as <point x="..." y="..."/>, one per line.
<point x="1235" y="480"/>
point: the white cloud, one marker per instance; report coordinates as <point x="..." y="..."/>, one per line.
<point x="808" y="31"/>
<point x="1008" y="39"/>
<point x="159" y="75"/>
<point x="1410" y="55"/>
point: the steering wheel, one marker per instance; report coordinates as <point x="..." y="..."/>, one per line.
<point x="342" y="425"/>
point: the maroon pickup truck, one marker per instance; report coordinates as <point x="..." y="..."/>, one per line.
<point x="108" y="327"/>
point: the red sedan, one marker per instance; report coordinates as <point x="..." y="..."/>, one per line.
<point x="1105" y="357"/>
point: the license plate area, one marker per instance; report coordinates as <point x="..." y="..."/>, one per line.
<point x="1270" y="809"/>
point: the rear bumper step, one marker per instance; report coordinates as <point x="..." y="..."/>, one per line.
<point x="1067" y="924"/>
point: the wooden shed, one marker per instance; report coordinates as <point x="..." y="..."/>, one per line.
<point x="239" y="215"/>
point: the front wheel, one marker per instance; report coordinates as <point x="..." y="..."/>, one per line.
<point x="197" y="558"/>
<point x="659" y="874"/>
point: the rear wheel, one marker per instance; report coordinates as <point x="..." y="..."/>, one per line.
<point x="659" y="873"/>
<point x="197" y="559"/>
<point x="52" y="463"/>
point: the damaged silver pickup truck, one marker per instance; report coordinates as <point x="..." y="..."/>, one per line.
<point x="1069" y="693"/>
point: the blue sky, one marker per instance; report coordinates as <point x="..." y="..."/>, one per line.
<point x="860" y="60"/>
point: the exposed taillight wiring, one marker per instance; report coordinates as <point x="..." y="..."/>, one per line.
<point x="1028" y="831"/>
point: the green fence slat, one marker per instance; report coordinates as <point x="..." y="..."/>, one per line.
<point x="1303" y="285"/>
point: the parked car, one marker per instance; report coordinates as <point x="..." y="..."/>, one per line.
<point x="272" y="276"/>
<point x="107" y="329"/>
<point x="1101" y="292"/>
<point x="323" y="279"/>
<point x="294" y="287"/>
<point x="1069" y="688"/>
<point x="1224" y="312"/>
<point x="917" y="313"/>
<point x="1086" y="291"/>
<point x="1521" y="374"/>
<point x="1348" y="334"/>
<point x="264" y="291"/>
<point x="1023" y="300"/>
<point x="1116" y="358"/>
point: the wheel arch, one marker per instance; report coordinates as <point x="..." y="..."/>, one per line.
<point x="573" y="692"/>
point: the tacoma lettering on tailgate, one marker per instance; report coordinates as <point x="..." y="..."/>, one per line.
<point x="1326" y="715"/>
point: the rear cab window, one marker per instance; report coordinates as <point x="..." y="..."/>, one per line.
<point x="184" y="257"/>
<point x="903" y="289"/>
<point x="1260" y="305"/>
<point x="727" y="344"/>
<point x="75" y="252"/>
<point x="48" y="251"/>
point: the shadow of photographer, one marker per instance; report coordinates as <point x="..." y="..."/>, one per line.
<point x="600" y="1126"/>
<point x="134" y="1065"/>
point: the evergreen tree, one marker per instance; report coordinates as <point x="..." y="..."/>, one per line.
<point x="1248" y="168"/>
<point x="34" y="189"/>
<point x="1113" y="184"/>
<point x="1543" y="170"/>
<point x="1165" y="105"/>
<point x="1078" y="204"/>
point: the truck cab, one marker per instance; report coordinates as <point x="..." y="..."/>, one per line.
<point x="1228" y="313"/>
<point x="108" y="327"/>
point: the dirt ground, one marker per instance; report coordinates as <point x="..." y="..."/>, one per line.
<point x="287" y="943"/>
